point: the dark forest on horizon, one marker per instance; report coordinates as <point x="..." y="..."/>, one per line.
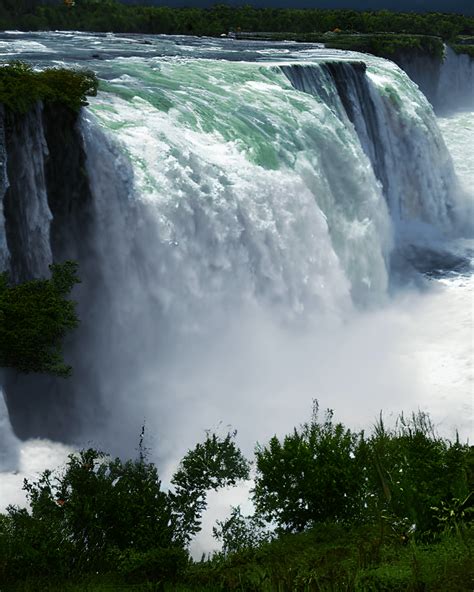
<point x="111" y="15"/>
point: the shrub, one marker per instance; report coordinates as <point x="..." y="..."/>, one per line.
<point x="156" y="565"/>
<point x="316" y="474"/>
<point x="34" y="319"/>
<point x="101" y="515"/>
<point x="414" y="471"/>
<point x="21" y="86"/>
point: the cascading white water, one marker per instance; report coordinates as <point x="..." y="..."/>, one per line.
<point x="455" y="89"/>
<point x="447" y="81"/>
<point x="245" y="215"/>
<point x="226" y="194"/>
<point x="9" y="443"/>
<point x="398" y="132"/>
<point x="421" y="183"/>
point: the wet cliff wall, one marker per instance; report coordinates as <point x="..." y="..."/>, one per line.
<point x="47" y="217"/>
<point x="447" y="81"/>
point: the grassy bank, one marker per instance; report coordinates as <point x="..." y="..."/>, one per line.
<point x="327" y="558"/>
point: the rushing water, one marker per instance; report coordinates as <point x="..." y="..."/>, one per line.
<point x="262" y="214"/>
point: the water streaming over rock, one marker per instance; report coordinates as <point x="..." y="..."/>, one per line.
<point x="224" y="198"/>
<point x="9" y="443"/>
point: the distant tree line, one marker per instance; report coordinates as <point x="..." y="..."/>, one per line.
<point x="110" y="15"/>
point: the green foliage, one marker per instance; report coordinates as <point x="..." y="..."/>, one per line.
<point x="239" y="532"/>
<point x="103" y="515"/>
<point x="21" y="86"/>
<point x="105" y="524"/>
<point x="81" y="519"/>
<point x="464" y="49"/>
<point x="214" y="464"/>
<point x="334" y="558"/>
<point x="324" y="472"/>
<point x="156" y="565"/>
<point x="315" y="474"/>
<point x="34" y="319"/>
<point x="415" y="471"/>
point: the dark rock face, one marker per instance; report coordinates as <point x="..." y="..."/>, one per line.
<point x="25" y="207"/>
<point x="447" y="82"/>
<point x="69" y="195"/>
<point x="48" y="218"/>
<point x="425" y="71"/>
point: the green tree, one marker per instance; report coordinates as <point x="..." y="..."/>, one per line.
<point x="102" y="515"/>
<point x="211" y="465"/>
<point x="316" y="474"/>
<point x="35" y="317"/>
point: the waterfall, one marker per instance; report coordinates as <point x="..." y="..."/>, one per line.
<point x="398" y="132"/>
<point x="232" y="203"/>
<point x="9" y="443"/>
<point x="455" y="89"/>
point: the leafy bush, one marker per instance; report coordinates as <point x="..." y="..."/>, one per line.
<point x="21" y="86"/>
<point x="316" y="474"/>
<point x="399" y="478"/>
<point x="215" y="463"/>
<point x="156" y="565"/>
<point x="34" y="319"/>
<point x="416" y="471"/>
<point x="240" y="533"/>
<point x="103" y="515"/>
<point x="104" y="520"/>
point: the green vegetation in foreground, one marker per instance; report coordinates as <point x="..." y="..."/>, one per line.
<point x="389" y="511"/>
<point x="34" y="319"/>
<point x="21" y="86"/>
<point x="110" y="15"/>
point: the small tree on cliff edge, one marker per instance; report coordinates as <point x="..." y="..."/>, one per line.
<point x="35" y="317"/>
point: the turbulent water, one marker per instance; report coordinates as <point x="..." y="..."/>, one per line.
<point x="262" y="214"/>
